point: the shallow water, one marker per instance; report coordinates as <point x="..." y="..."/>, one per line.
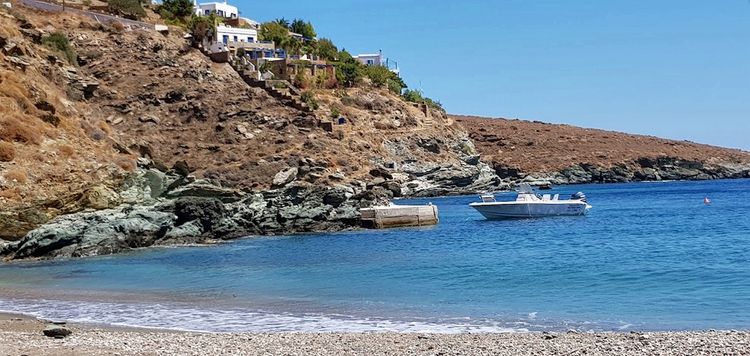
<point x="649" y="256"/>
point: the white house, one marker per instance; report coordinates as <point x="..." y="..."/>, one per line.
<point x="378" y="60"/>
<point x="370" y="59"/>
<point x="220" y="8"/>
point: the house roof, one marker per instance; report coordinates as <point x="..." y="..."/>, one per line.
<point x="367" y="55"/>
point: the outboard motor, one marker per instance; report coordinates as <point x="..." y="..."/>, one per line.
<point x="579" y="196"/>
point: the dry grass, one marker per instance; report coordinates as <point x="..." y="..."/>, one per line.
<point x="7" y="151"/>
<point x="66" y="151"/>
<point x="11" y="86"/>
<point x="11" y="194"/>
<point x="18" y="129"/>
<point x="17" y="175"/>
<point x="104" y="127"/>
<point x="126" y="163"/>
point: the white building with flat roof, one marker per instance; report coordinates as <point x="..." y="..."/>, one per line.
<point x="220" y="8"/>
<point x="370" y="59"/>
<point x="377" y="59"/>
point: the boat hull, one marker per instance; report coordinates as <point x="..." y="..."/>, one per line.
<point x="519" y="210"/>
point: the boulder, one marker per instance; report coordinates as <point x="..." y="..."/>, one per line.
<point x="285" y="177"/>
<point x="472" y="159"/>
<point x="99" y="197"/>
<point x="207" y="211"/>
<point x="56" y="331"/>
<point x="95" y="233"/>
<point x="335" y="197"/>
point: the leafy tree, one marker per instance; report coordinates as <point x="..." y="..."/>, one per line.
<point x="324" y="48"/>
<point x="273" y="31"/>
<point x="379" y="75"/>
<point x="282" y="22"/>
<point x="291" y="45"/>
<point x="179" y="9"/>
<point x="305" y="29"/>
<point x="349" y="71"/>
<point x="203" y="27"/>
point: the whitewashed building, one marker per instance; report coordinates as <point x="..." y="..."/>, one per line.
<point x="370" y="59"/>
<point x="377" y="59"/>
<point x="220" y="8"/>
<point x="230" y="38"/>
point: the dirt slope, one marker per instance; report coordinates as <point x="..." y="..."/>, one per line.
<point x="533" y="147"/>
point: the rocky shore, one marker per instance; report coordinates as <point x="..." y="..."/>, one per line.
<point x="156" y="207"/>
<point x="22" y="335"/>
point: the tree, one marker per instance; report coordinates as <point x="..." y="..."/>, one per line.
<point x="179" y="9"/>
<point x="291" y="45"/>
<point x="273" y="31"/>
<point x="305" y="29"/>
<point x="282" y="22"/>
<point x="324" y="48"/>
<point x="348" y="70"/>
<point x="203" y="27"/>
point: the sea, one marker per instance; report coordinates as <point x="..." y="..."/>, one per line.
<point x="648" y="257"/>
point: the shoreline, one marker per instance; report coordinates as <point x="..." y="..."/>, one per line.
<point x="22" y="334"/>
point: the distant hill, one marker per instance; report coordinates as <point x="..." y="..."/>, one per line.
<point x="564" y="153"/>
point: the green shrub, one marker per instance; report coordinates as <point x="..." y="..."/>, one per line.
<point x="335" y="113"/>
<point x="309" y="98"/>
<point x="127" y="8"/>
<point x="58" y="41"/>
<point x="326" y="50"/>
<point x="415" y="96"/>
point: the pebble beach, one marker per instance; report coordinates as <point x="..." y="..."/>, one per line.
<point x="22" y="335"/>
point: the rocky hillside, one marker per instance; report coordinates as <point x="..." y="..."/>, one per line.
<point x="537" y="151"/>
<point x="129" y="135"/>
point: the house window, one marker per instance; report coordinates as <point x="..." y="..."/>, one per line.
<point x="208" y="12"/>
<point x="370" y="62"/>
<point x="225" y="39"/>
<point x="221" y="13"/>
<point x="250" y="39"/>
<point x="235" y="38"/>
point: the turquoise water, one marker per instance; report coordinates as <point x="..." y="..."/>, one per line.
<point x="649" y="256"/>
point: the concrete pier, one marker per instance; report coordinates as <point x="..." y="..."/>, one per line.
<point x="383" y="217"/>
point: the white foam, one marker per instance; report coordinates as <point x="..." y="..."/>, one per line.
<point x="186" y="318"/>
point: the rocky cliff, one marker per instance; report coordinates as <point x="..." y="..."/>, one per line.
<point x="543" y="153"/>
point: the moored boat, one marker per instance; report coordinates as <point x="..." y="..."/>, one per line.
<point x="529" y="204"/>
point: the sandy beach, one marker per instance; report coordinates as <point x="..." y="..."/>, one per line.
<point x="22" y="335"/>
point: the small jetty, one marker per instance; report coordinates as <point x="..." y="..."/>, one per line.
<point x="383" y="217"/>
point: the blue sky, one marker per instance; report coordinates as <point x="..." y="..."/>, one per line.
<point x="677" y="69"/>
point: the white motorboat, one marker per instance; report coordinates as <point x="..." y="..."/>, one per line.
<point x="529" y="204"/>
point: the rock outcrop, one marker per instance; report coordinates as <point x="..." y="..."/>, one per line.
<point x="194" y="215"/>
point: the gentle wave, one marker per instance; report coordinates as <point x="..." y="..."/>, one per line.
<point x="183" y="318"/>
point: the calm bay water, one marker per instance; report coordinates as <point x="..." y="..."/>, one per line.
<point x="650" y="256"/>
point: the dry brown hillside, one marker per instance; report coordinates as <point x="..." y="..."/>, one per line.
<point x="48" y="146"/>
<point x="72" y="123"/>
<point x="537" y="147"/>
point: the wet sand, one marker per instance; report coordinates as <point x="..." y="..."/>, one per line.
<point x="22" y="335"/>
